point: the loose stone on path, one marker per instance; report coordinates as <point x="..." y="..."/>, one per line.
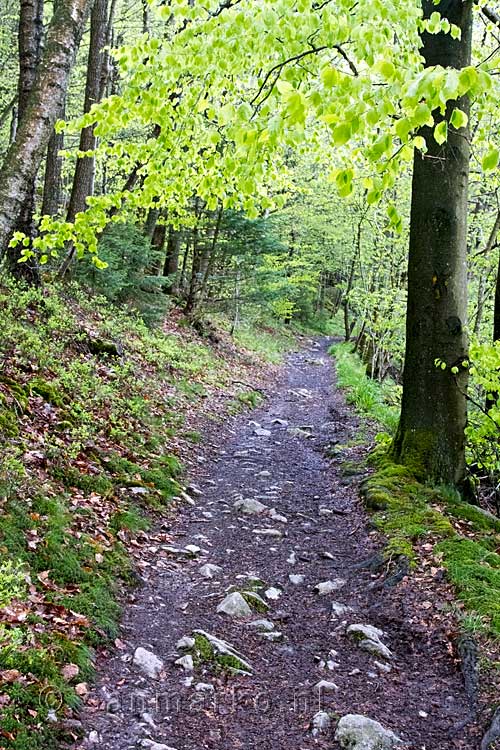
<point x="234" y="605"/>
<point x="148" y="662"/>
<point x="356" y="732"/>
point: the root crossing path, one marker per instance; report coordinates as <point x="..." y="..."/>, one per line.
<point x="301" y="667"/>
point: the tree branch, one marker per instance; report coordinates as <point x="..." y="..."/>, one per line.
<point x="279" y="67"/>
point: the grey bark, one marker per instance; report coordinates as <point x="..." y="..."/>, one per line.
<point x="430" y="437"/>
<point x="23" y="158"/>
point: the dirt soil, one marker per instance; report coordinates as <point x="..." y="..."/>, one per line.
<point x="421" y="698"/>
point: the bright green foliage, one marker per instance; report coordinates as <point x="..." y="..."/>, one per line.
<point x="372" y="399"/>
<point x="130" y="276"/>
<point x="484" y="414"/>
<point x="340" y="76"/>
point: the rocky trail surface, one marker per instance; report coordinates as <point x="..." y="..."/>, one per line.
<point x="259" y="627"/>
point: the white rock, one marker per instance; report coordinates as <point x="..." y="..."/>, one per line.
<point x="325" y="512"/>
<point x="148" y="662"/>
<point x="186" y="662"/>
<point x="356" y="732"/>
<point x="262" y="625"/>
<point x="185" y="642"/>
<point x="277" y="516"/>
<point x="273" y="594"/>
<point x="339" y="610"/>
<point x="151" y="745"/>
<point x="377" y="648"/>
<point x="275" y="635"/>
<point x="234" y="605"/>
<point x="280" y="422"/>
<point x="423" y="714"/>
<point x="292" y="558"/>
<point x="366" y="631"/>
<point x="264" y="474"/>
<point x="321" y="723"/>
<point x="204" y="687"/>
<point x="267" y="532"/>
<point x="187" y="498"/>
<point x="148" y="719"/>
<point x="332" y="665"/>
<point x="94" y="738"/>
<point x="261" y="432"/>
<point x="369" y="639"/>
<point x="249" y="506"/>
<point x="383" y="667"/>
<point x="210" y="570"/>
<point x="195" y="490"/>
<point x="325" y="686"/>
<point x="296" y="579"/>
<point x="328" y="587"/>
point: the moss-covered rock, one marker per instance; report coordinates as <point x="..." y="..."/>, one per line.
<point x="208" y="650"/>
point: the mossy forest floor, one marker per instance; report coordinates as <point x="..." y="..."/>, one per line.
<point x="123" y="452"/>
<point x="100" y="418"/>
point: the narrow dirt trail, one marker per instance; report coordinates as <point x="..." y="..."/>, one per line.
<point x="421" y="698"/>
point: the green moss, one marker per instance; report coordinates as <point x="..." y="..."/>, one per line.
<point x="160" y="474"/>
<point x="255" y="601"/>
<point x="475" y="571"/>
<point x="48" y="391"/>
<point x="204" y="653"/>
<point x="8" y="423"/>
<point x="88" y="483"/>
<point x="130" y="519"/>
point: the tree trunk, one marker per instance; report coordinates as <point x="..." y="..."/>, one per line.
<point x="430" y="436"/>
<point x="171" y="264"/>
<point x="52" y="186"/>
<point x="209" y="257"/>
<point x="23" y="158"/>
<point x="83" y="180"/>
<point x="30" y="46"/>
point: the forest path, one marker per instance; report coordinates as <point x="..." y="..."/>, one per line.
<point x="418" y="694"/>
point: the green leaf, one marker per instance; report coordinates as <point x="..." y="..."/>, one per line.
<point x="459" y="119"/>
<point x="342" y="133"/>
<point x="386" y="69"/>
<point x="441" y="132"/>
<point x="490" y="160"/>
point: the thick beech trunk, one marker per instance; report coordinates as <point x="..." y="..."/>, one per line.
<point x="430" y="437"/>
<point x="45" y="102"/>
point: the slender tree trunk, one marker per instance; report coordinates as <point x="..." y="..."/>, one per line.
<point x="182" y="279"/>
<point x="209" y="259"/>
<point x="83" y="181"/>
<point x="150" y="223"/>
<point x="430" y="437"/>
<point x="23" y="158"/>
<point x="52" y="186"/>
<point x="171" y="264"/>
<point x="196" y="263"/>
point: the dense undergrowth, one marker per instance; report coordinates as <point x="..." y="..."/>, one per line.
<point x="422" y="521"/>
<point x="96" y="413"/>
